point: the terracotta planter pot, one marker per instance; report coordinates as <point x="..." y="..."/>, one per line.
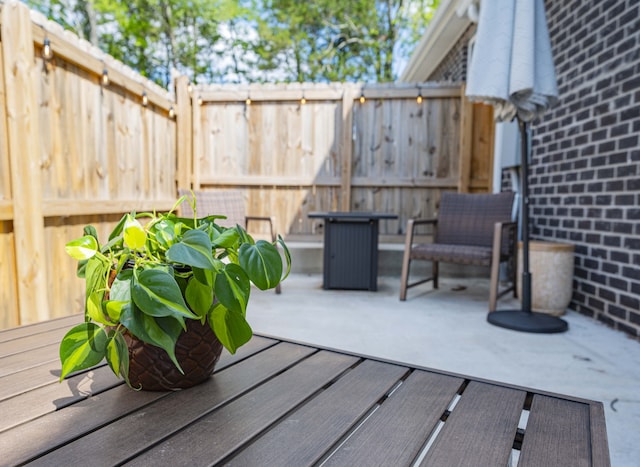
<point x="197" y="350"/>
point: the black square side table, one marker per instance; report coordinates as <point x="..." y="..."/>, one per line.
<point x="351" y="249"/>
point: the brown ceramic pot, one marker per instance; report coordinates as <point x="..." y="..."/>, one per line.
<point x="197" y="350"/>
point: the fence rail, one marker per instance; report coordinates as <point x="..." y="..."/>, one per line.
<point x="298" y="148"/>
<point x="84" y="139"/>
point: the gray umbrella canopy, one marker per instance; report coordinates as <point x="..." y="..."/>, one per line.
<point x="512" y="64"/>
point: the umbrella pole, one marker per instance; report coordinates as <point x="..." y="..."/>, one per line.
<point x="526" y="274"/>
<point x="525" y="319"/>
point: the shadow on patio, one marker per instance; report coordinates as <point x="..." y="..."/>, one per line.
<point x="447" y="329"/>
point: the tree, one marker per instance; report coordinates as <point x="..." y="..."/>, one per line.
<point x="334" y="40"/>
<point x="249" y="40"/>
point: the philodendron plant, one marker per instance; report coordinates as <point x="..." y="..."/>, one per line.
<point x="148" y="279"/>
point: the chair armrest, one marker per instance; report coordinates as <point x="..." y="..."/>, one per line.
<point x="411" y="226"/>
<point x="413" y="223"/>
<point x="270" y="220"/>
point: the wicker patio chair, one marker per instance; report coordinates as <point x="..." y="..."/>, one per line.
<point x="474" y="229"/>
<point x="229" y="203"/>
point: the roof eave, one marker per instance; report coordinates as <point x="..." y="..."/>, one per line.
<point x="441" y="35"/>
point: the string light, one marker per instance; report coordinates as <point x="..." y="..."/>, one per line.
<point x="105" y="77"/>
<point x="172" y="112"/>
<point x="189" y="87"/>
<point x="362" y="98"/>
<point x="200" y="101"/>
<point x="47" y="53"/>
<point x="303" y="101"/>
<point x="248" y="100"/>
<point x="419" y="98"/>
<point x="145" y="99"/>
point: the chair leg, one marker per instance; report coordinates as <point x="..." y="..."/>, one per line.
<point x="404" y="279"/>
<point x="514" y="273"/>
<point x="493" y="292"/>
<point x="434" y="269"/>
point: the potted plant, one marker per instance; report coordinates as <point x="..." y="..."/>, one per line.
<point x="162" y="296"/>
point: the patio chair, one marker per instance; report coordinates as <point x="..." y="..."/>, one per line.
<point x="229" y="203"/>
<point x="474" y="229"/>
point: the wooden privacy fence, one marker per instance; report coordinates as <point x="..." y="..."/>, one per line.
<point x="74" y="150"/>
<point x="84" y="139"/>
<point x="299" y="148"/>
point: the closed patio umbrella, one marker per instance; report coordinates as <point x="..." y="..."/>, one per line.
<point x="512" y="69"/>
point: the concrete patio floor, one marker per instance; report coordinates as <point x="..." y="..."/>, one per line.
<point x="447" y="329"/>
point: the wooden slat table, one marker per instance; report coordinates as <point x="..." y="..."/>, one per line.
<point x="280" y="403"/>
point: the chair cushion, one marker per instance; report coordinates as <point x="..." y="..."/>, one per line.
<point x="460" y="254"/>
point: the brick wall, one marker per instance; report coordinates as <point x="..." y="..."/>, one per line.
<point x="454" y="66"/>
<point x="585" y="169"/>
<point x="585" y="173"/>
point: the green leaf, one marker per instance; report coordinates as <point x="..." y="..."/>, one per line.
<point x="206" y="276"/>
<point x="118" y="229"/>
<point x="194" y="250"/>
<point x="287" y="257"/>
<point x="82" y="248"/>
<point x="94" y="308"/>
<point x="96" y="274"/>
<point x="113" y="355"/>
<point x="121" y="287"/>
<point x="149" y="330"/>
<point x="117" y="355"/>
<point x="165" y="233"/>
<point x="232" y="288"/>
<point x="82" y="347"/>
<point x="158" y="294"/>
<point x="231" y="328"/>
<point x="226" y="239"/>
<point x="90" y="230"/>
<point x="113" y="309"/>
<point x="262" y="262"/>
<point x="199" y="297"/>
<point x="134" y="235"/>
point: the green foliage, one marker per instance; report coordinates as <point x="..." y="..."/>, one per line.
<point x="147" y="280"/>
<point x="250" y="40"/>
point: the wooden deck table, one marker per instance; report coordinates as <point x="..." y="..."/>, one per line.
<point x="280" y="403"/>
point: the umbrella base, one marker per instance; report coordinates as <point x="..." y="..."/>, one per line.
<point x="527" y="321"/>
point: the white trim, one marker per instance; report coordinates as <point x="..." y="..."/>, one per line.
<point x="443" y="32"/>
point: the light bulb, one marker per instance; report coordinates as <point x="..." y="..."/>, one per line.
<point x="47" y="53"/>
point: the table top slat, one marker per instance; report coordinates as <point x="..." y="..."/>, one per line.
<point x="222" y="432"/>
<point x="29" y="359"/>
<point x="27" y="343"/>
<point x="304" y="436"/>
<point x="29" y="379"/>
<point x="34" y="329"/>
<point x="557" y="433"/>
<point x="487" y="435"/>
<point x="54" y="396"/>
<point x="169" y="415"/>
<point x="396" y="432"/>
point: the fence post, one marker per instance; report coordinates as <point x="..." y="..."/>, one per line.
<point x="196" y="142"/>
<point x="184" y="134"/>
<point x="466" y="141"/>
<point x="347" y="147"/>
<point x="24" y="144"/>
